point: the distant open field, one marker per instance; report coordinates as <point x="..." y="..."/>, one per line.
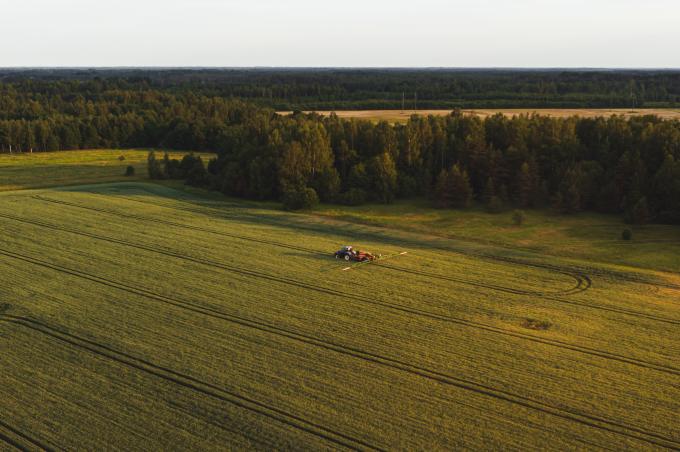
<point x="49" y="169"/>
<point x="586" y="236"/>
<point x="137" y="316"/>
<point x="399" y="116"/>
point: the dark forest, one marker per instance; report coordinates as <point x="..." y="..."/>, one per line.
<point x="615" y="165"/>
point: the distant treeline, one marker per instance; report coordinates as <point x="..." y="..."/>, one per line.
<point x="608" y="165"/>
<point x="356" y="89"/>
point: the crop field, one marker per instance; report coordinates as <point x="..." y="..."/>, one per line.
<point x="402" y="116"/>
<point x="42" y="169"/>
<point x="138" y="317"/>
<point x="585" y="236"/>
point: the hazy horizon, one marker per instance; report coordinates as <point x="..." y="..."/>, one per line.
<point x="443" y="68"/>
<point x="486" y="34"/>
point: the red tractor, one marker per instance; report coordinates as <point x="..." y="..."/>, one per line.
<point x="348" y="253"/>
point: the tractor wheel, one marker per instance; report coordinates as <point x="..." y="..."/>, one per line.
<point x="347" y="257"/>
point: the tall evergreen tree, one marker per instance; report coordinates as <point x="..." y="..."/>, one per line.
<point x="461" y="190"/>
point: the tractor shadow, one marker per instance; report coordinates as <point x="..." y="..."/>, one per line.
<point x="327" y="263"/>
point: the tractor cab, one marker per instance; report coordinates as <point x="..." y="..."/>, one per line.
<point x="348" y="253"/>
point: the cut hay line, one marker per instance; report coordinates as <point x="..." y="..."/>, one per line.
<point x="377" y="259"/>
<point x="192" y="383"/>
<point x="479" y="388"/>
<point x="23" y="436"/>
<point x="582" y="284"/>
<point x="297" y="283"/>
<point x="399" y="308"/>
<point x="366" y="300"/>
<point x="582" y="281"/>
<point x="480" y="255"/>
<point x="179" y="225"/>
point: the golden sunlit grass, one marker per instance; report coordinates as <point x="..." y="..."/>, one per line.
<point x="49" y="169"/>
<point x="402" y="116"/>
<point x="135" y="316"/>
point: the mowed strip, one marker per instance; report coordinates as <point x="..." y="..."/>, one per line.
<point x="497" y="273"/>
<point x="259" y="274"/>
<point x="578" y="282"/>
<point x="264" y="258"/>
<point x="414" y="332"/>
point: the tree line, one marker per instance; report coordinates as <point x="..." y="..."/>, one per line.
<point x="614" y="165"/>
<point x="355" y="89"/>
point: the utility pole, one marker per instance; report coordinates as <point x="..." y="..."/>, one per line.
<point x="632" y="94"/>
<point x="403" y="102"/>
<point x="415" y="102"/>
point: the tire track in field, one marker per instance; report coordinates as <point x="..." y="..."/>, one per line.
<point x="16" y="444"/>
<point x="361" y="299"/>
<point x="192" y="383"/>
<point x="297" y="283"/>
<point x="586" y="282"/>
<point x="582" y="281"/>
<point x="180" y="225"/>
<point x="481" y="255"/>
<point x="440" y="377"/>
<point x="10" y="442"/>
<point x="569" y="272"/>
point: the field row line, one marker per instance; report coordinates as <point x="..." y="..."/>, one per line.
<point x="358" y="298"/>
<point x="583" y="281"/>
<point x="440" y="377"/>
<point x="23" y="437"/>
<point x="481" y="255"/>
<point x="192" y="383"/>
<point x="586" y="283"/>
<point x="464" y="253"/>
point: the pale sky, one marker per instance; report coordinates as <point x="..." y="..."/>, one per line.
<point x="364" y="33"/>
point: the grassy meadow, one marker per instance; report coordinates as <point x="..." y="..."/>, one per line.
<point x="49" y="169"/>
<point x="586" y="236"/>
<point x="140" y="316"/>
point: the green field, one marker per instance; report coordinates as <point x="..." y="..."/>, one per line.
<point x="49" y="169"/>
<point x="584" y="236"/>
<point x="139" y="316"/>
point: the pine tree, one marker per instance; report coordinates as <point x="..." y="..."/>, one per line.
<point x="154" y="166"/>
<point x="493" y="203"/>
<point x="489" y="191"/>
<point x="526" y="185"/>
<point x="640" y="214"/>
<point x="461" y="190"/>
<point x="384" y="177"/>
<point x="442" y="190"/>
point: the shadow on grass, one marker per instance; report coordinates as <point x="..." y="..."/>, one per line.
<point x="249" y="213"/>
<point x="58" y="176"/>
